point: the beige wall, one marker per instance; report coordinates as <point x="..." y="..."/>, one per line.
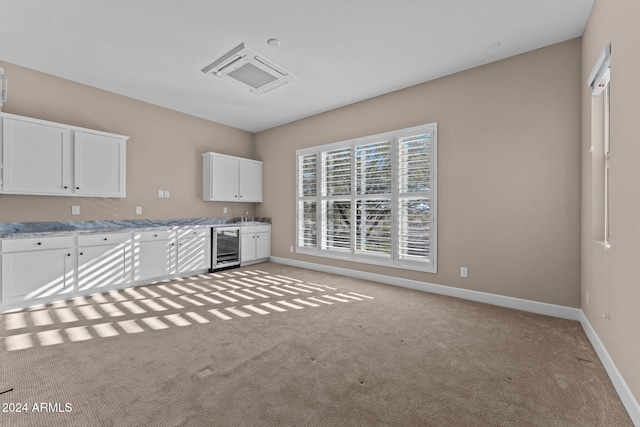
<point x="508" y="172"/>
<point x="163" y="151"/>
<point x="611" y="277"/>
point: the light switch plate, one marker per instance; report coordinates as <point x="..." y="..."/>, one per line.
<point x="464" y="272"/>
<point x="75" y="210"/>
<point x="166" y="194"/>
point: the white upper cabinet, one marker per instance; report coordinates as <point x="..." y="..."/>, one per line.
<point x="36" y="158"/>
<point x="220" y="175"/>
<point x="250" y="180"/>
<point x="231" y="179"/>
<point x="45" y="158"/>
<point x="99" y="165"/>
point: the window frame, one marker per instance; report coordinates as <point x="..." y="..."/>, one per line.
<point x="393" y="259"/>
<point x="599" y="82"/>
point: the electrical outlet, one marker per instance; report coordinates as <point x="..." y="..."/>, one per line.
<point x="291" y="248"/>
<point x="138" y="210"/>
<point x="586" y="297"/>
<point x="224" y="210"/>
<point x="161" y="194"/>
<point x="464" y="272"/>
<point x="75" y="210"/>
<point x="166" y="194"/>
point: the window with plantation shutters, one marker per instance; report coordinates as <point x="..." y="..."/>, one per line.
<point x="414" y="197"/>
<point x="336" y="172"/>
<point x="370" y="199"/>
<point x="336" y="225"/>
<point x="373" y="197"/>
<point x="307" y="203"/>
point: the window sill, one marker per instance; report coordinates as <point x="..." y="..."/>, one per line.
<point x="606" y="245"/>
<point x="423" y="267"/>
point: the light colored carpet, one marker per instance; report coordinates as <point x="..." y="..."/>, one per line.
<point x="272" y="345"/>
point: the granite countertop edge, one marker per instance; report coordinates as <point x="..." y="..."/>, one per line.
<point x="50" y="228"/>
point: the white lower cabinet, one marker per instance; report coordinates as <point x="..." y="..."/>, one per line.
<point x="255" y="244"/>
<point x="36" y="268"/>
<point x="50" y="268"/>
<point x="194" y="249"/>
<point x="154" y="254"/>
<point x="104" y="261"/>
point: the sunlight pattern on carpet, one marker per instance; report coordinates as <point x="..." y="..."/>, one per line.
<point x="170" y="304"/>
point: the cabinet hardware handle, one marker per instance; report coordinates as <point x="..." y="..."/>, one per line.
<point x="65" y="187"/>
<point x="105" y="238"/>
<point x="68" y="254"/>
<point x="77" y="188"/>
<point x="81" y="253"/>
<point x="39" y="243"/>
<point x="155" y="235"/>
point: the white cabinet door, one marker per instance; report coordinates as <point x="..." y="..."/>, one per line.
<point x="99" y="165"/>
<point x="247" y="247"/>
<point x="102" y="266"/>
<point x="37" y="274"/>
<point x="263" y="245"/>
<point x="249" y="181"/>
<point x="154" y="255"/>
<point x="220" y="178"/>
<point x="104" y="260"/>
<point x="255" y="244"/>
<point x="36" y="158"/>
<point x="194" y="249"/>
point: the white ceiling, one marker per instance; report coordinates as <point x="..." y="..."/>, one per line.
<point x="343" y="50"/>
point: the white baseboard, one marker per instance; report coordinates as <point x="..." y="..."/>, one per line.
<point x="627" y="397"/>
<point x="493" y="299"/>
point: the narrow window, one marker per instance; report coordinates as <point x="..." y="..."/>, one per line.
<point x="415" y="215"/>
<point x="600" y="83"/>
<point x="307" y="204"/>
<point x="374" y="198"/>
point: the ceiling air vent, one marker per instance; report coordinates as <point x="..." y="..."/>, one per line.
<point x="245" y="65"/>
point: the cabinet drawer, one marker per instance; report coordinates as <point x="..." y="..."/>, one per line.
<point x="103" y="239"/>
<point x="194" y="232"/>
<point x="251" y="229"/>
<point x="146" y="236"/>
<point x="37" y="243"/>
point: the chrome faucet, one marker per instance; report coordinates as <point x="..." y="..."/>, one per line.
<point x="245" y="216"/>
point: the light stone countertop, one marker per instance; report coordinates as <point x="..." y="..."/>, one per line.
<point x="36" y="229"/>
